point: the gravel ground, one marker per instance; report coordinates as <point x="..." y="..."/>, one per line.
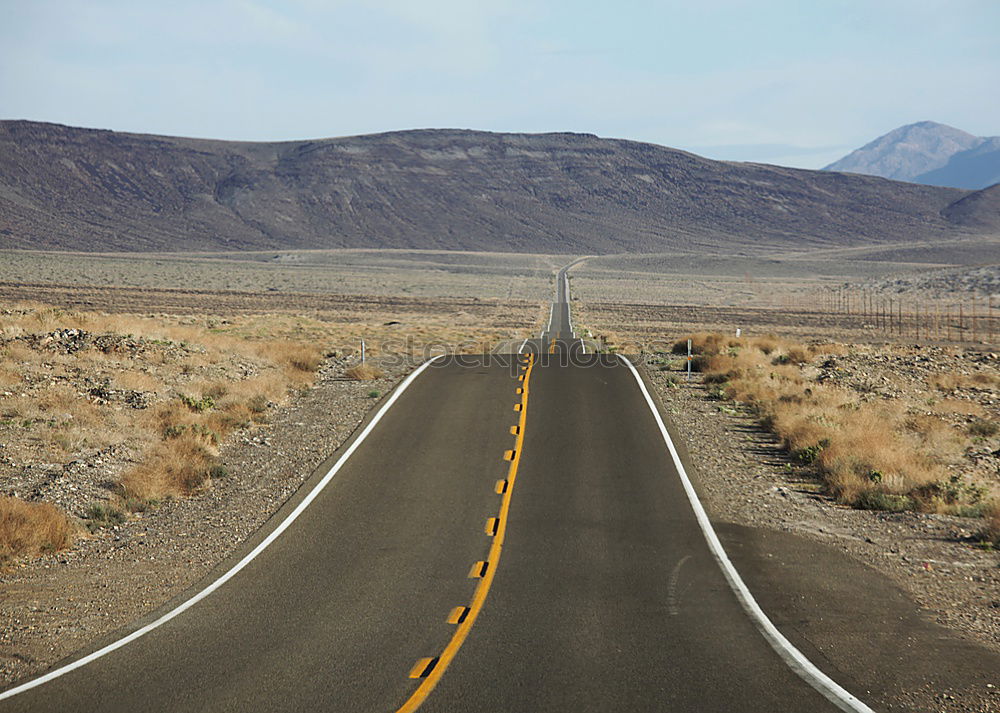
<point x="746" y="478"/>
<point x="55" y="605"/>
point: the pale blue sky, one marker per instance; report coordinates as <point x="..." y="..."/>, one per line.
<point x="792" y="82"/>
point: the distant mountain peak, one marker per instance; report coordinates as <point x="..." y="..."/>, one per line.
<point x="927" y="152"/>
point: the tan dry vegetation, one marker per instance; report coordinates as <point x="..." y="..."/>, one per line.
<point x="363" y="372"/>
<point x="948" y="383"/>
<point x="957" y="406"/>
<point x="31" y="528"/>
<point x="991" y="532"/>
<point x="80" y="383"/>
<point x="869" y="453"/>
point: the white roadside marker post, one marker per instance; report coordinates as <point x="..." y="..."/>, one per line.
<point x="362" y="351"/>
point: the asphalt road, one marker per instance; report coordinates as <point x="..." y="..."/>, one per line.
<point x="511" y="536"/>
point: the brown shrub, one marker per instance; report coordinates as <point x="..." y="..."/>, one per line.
<point x="992" y="530"/>
<point x="253" y="395"/>
<point x="363" y="372"/>
<point x="9" y="377"/>
<point x="945" y="382"/>
<point x="705" y="343"/>
<point x="175" y="467"/>
<point x="800" y="427"/>
<point x="867" y="453"/>
<point x="765" y="345"/>
<point x="18" y="354"/>
<point x="829" y="349"/>
<point x="29" y="529"/>
<point x="300" y="357"/>
<point x="981" y="379"/>
<point x="936" y="434"/>
<point x="798" y="355"/>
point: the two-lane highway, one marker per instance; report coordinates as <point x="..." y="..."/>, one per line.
<point x="608" y="598"/>
<point x="559" y="335"/>
<point x="512" y="533"/>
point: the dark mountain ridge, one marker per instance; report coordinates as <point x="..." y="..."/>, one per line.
<point x="66" y="188"/>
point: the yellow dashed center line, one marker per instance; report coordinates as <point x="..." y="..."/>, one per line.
<point x="430" y="670"/>
<point x="422" y="667"/>
<point x="479" y="569"/>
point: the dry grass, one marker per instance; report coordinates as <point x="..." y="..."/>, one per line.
<point x="991" y="532"/>
<point x="363" y="372"/>
<point x="167" y="389"/>
<point x="298" y="357"/>
<point x="137" y="381"/>
<point x="869" y="453"/>
<point x="951" y="382"/>
<point x="957" y="406"/>
<point x="179" y="465"/>
<point x="31" y="529"/>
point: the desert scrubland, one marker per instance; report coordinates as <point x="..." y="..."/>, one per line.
<point x="148" y="429"/>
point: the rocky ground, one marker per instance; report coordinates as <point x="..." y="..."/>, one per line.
<point x="53" y="606"/>
<point x="961" y="282"/>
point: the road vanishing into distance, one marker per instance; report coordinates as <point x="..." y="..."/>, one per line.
<point x="507" y="533"/>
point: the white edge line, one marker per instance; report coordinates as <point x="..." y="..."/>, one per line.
<point x="795" y="659"/>
<point x="249" y="557"/>
<point x="521" y="349"/>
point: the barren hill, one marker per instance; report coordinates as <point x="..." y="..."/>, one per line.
<point x="980" y="209"/>
<point x="66" y="188"/>
<point x="929" y="153"/>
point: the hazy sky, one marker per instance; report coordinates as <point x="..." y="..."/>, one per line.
<point x="797" y="82"/>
